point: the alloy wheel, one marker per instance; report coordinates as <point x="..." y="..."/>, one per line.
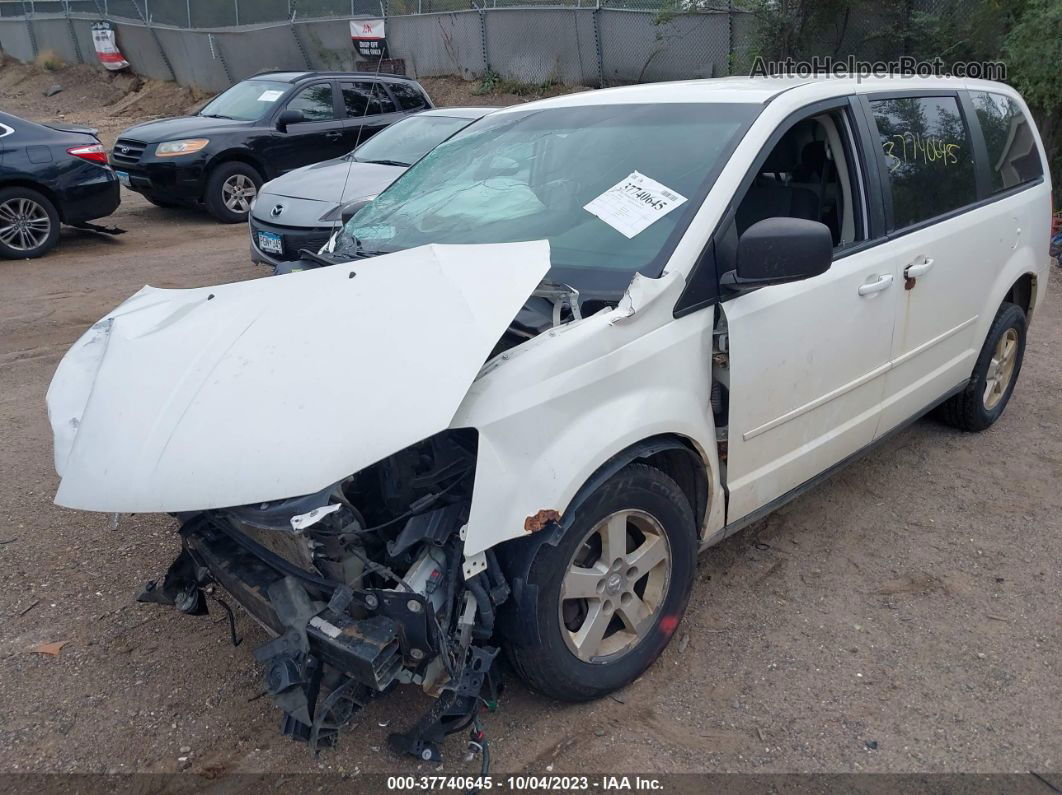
<point x="24" y="224"/>
<point x="614" y="586"/>
<point x="1001" y="368"/>
<point x="238" y="191"/>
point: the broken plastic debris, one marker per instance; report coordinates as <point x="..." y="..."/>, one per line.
<point x="52" y="649"/>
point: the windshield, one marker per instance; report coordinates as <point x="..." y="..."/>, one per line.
<point x="247" y="101"/>
<point x="406" y="142"/>
<point x="611" y="187"/>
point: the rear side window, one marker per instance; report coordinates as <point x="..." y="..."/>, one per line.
<point x="926" y="148"/>
<point x="408" y="97"/>
<point x="366" y="99"/>
<point x="315" y="102"/>
<point x="1013" y="158"/>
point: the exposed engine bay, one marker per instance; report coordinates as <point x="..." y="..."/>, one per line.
<point x="361" y="586"/>
<point x="361" y="583"/>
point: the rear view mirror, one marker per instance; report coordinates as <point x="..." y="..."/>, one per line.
<point x="780" y="250"/>
<point x="287" y="117"/>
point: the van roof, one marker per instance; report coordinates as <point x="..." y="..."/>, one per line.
<point x="759" y="90"/>
<point x="295" y="77"/>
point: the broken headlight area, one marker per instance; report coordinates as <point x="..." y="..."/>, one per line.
<point x="361" y="586"/>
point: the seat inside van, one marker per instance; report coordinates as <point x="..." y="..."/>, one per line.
<point x="804" y="176"/>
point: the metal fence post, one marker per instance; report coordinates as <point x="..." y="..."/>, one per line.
<point x="216" y="51"/>
<point x="73" y="33"/>
<point x="236" y="6"/>
<point x="598" y="48"/>
<point x="298" y="42"/>
<point x="483" y="40"/>
<point x="158" y="41"/>
<point x="29" y="28"/>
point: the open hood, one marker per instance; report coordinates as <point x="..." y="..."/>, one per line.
<point x="183" y="400"/>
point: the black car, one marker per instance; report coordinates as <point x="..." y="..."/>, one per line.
<point x="49" y="175"/>
<point x="257" y="130"/>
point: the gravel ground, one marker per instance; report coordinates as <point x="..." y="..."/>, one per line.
<point x="902" y="617"/>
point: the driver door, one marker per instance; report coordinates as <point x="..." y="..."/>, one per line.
<point x="319" y="137"/>
<point x="807" y="359"/>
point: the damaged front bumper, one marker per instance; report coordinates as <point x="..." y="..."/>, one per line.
<point x="334" y="648"/>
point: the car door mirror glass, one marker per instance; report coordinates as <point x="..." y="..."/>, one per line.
<point x="289" y="117"/>
<point x="780" y="250"/>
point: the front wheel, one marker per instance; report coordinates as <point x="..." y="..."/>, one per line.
<point x="610" y="594"/>
<point x="985" y="397"/>
<point x="230" y="190"/>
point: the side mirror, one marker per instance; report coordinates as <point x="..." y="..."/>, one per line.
<point x="349" y="210"/>
<point x="780" y="250"/>
<point x="287" y="117"/>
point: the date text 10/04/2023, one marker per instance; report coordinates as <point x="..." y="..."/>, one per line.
<point x="525" y="783"/>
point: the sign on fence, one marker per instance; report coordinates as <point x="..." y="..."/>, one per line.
<point x="368" y="36"/>
<point x="106" y="47"/>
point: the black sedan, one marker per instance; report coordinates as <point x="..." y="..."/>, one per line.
<point x="49" y="175"/>
<point x="255" y="131"/>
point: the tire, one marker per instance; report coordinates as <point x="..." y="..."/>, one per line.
<point x="541" y="639"/>
<point x="165" y="203"/>
<point x="29" y="223"/>
<point x="219" y="197"/>
<point x="977" y="406"/>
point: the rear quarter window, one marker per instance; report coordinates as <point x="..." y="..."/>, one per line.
<point x="408" y="97"/>
<point x="926" y="148"/>
<point x="1013" y="158"/>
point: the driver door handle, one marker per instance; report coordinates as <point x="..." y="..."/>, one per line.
<point x="919" y="267"/>
<point x="333" y="134"/>
<point x="883" y="283"/>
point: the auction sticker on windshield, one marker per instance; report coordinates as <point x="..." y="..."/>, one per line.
<point x="272" y="95"/>
<point x="633" y="203"/>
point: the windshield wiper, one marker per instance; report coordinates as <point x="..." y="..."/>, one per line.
<point x="215" y="116"/>
<point x="385" y="162"/>
<point x="320" y="259"/>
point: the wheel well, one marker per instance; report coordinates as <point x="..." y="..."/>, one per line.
<point x="41" y="189"/>
<point x="674" y="455"/>
<point x="1022" y="293"/>
<point x="238" y="157"/>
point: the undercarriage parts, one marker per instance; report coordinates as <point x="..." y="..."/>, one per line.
<point x="362" y="586"/>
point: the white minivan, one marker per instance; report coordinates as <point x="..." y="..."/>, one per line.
<point x="576" y="343"/>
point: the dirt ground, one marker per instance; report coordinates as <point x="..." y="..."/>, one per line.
<point x="903" y="617"/>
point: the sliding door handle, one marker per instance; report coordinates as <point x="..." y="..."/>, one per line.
<point x="881" y="283"/>
<point x="920" y="267"/>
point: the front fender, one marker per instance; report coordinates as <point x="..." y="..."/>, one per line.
<point x="552" y="415"/>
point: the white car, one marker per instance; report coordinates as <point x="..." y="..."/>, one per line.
<point x="573" y="345"/>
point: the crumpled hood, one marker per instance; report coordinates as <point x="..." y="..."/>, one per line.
<point x="183" y="400"/>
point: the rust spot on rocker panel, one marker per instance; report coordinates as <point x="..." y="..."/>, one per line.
<point x="534" y="523"/>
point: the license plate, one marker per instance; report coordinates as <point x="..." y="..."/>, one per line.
<point x="123" y="177"/>
<point x="270" y="243"/>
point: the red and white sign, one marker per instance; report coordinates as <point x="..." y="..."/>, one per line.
<point x="106" y="47"/>
<point x="367" y="29"/>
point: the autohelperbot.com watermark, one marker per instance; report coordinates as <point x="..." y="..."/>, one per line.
<point x="905" y="66"/>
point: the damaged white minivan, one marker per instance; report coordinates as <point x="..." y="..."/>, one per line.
<point x="573" y="345"/>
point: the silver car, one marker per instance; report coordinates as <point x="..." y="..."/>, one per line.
<point x="302" y="209"/>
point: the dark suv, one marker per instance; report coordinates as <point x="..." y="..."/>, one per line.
<point x="255" y="131"/>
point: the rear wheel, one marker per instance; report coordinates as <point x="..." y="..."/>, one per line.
<point x="29" y="223"/>
<point x="230" y="190"/>
<point x="610" y="594"/>
<point x="985" y="397"/>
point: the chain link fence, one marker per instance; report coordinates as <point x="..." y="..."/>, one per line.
<point x="210" y="44"/>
